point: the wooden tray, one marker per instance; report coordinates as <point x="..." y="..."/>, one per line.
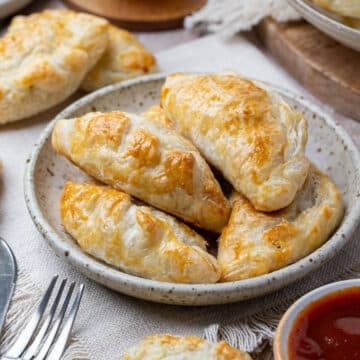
<point x="328" y="69"/>
<point x="141" y="15"/>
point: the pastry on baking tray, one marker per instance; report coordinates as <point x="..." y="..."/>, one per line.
<point x="139" y="240"/>
<point x="255" y="243"/>
<point x="125" y="57"/>
<point x="245" y="130"/>
<point x="44" y="57"/>
<point x="349" y="8"/>
<point x="171" y="347"/>
<point x="149" y="161"/>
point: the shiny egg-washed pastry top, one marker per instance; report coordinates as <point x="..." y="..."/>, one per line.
<point x="139" y="240"/>
<point x="172" y="347"/>
<point x="149" y="161"/>
<point x="256" y="243"/>
<point x="157" y="114"/>
<point x="245" y="130"/>
<point x="124" y="58"/>
<point x="44" y="57"/>
<point x="349" y="8"/>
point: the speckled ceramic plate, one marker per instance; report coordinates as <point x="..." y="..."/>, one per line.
<point x="328" y="23"/>
<point x="329" y="147"/>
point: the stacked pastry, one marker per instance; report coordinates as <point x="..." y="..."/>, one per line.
<point x="283" y="208"/>
<point x="348" y="10"/>
<point x="159" y="183"/>
<point x="45" y="57"/>
<point x="168" y="347"/>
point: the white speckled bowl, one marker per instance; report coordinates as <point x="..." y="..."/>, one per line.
<point x="328" y="23"/>
<point x="281" y="340"/>
<point x="329" y="147"/>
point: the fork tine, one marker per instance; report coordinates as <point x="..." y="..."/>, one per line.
<point x="17" y="348"/>
<point x="52" y="334"/>
<point x="60" y="344"/>
<point x="33" y="349"/>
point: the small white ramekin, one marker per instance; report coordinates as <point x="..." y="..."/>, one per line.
<point x="286" y="324"/>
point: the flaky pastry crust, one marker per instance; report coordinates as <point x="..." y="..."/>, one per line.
<point x="146" y="160"/>
<point x="169" y="347"/>
<point x="137" y="239"/>
<point x="44" y="57"/>
<point x="157" y="114"/>
<point x="256" y="243"/>
<point x="125" y="57"/>
<point x="349" y="8"/>
<point x="245" y="130"/>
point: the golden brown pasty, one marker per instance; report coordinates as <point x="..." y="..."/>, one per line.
<point x="44" y="57"/>
<point x="146" y="160"/>
<point x="350" y="8"/>
<point x="255" y="243"/>
<point x="125" y="57"/>
<point x="171" y="347"/>
<point x="157" y="114"/>
<point x="355" y="23"/>
<point x="245" y="130"/>
<point x="136" y="239"/>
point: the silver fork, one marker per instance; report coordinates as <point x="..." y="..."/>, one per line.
<point x="45" y="336"/>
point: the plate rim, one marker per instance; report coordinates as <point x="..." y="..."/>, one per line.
<point x="266" y="282"/>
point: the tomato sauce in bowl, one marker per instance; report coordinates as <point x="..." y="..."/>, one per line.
<point x="328" y="329"/>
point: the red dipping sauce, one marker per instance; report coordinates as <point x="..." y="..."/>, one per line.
<point x="328" y="329"/>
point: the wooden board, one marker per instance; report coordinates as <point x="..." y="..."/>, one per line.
<point x="326" y="68"/>
<point x="141" y="15"/>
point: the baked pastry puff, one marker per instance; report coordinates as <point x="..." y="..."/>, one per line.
<point x="44" y="57"/>
<point x="146" y="160"/>
<point x="256" y="243"/>
<point x="171" y="347"/>
<point x="348" y="8"/>
<point x="139" y="240"/>
<point x="124" y="58"/>
<point x="157" y="114"/>
<point x="245" y="130"/>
